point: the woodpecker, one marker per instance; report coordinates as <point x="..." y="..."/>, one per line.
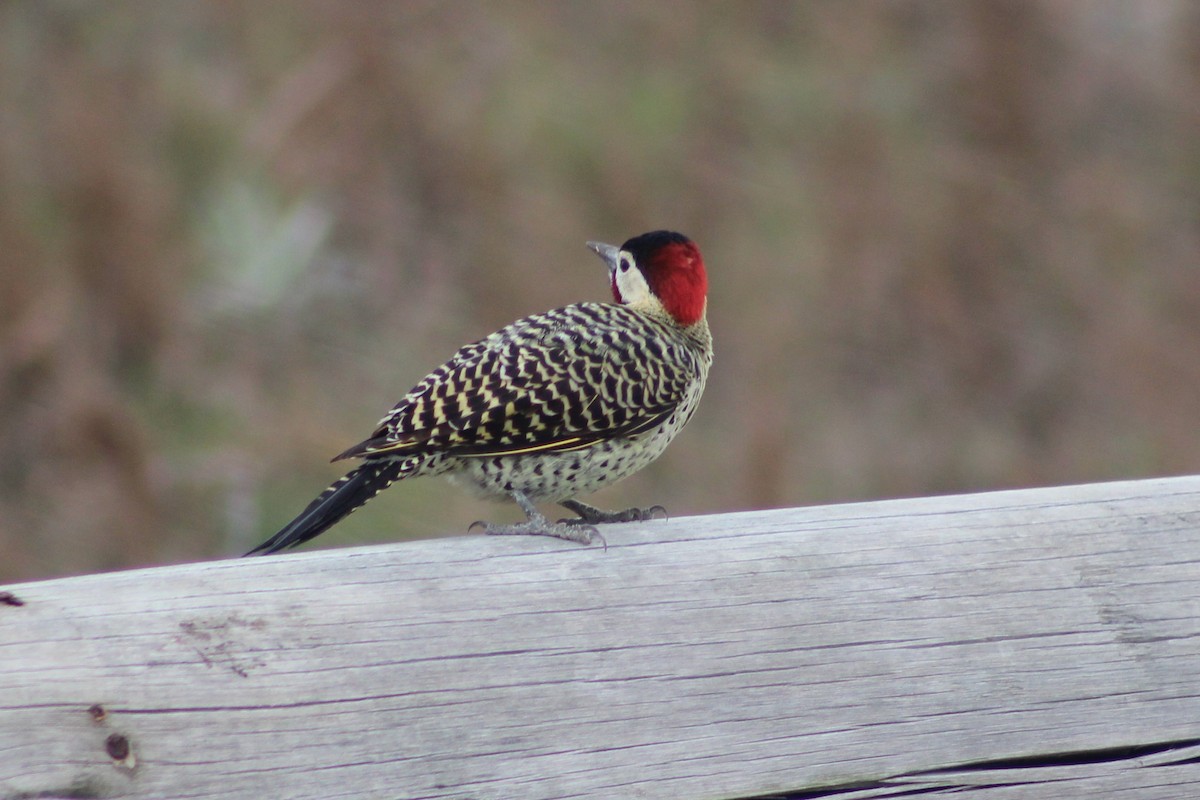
<point x="553" y="406"/>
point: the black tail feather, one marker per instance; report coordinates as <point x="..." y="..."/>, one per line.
<point x="342" y="497"/>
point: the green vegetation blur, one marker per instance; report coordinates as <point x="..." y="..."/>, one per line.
<point x="953" y="246"/>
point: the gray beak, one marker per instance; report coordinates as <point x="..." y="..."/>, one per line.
<point x="608" y="252"/>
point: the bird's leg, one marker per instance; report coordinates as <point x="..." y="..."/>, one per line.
<point x="590" y="515"/>
<point x="537" y="525"/>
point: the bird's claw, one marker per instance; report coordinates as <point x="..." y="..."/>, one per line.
<point x="594" y="534"/>
<point x="581" y="534"/>
<point x="595" y="515"/>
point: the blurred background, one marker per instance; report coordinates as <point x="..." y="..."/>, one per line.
<point x="954" y="246"/>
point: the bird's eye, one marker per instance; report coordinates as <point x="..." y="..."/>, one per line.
<point x="624" y="264"/>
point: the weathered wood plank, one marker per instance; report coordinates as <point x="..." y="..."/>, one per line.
<point x="876" y="645"/>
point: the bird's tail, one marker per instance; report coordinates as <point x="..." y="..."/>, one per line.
<point x="342" y="497"/>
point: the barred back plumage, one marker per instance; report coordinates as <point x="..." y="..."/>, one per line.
<point x="552" y="406"/>
<point x="556" y="381"/>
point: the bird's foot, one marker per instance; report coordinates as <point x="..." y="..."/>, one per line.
<point x="540" y="526"/>
<point x="590" y="515"/>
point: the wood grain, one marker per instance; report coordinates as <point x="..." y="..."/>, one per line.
<point x="1038" y="643"/>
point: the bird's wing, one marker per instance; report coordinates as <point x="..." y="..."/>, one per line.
<point x="563" y="380"/>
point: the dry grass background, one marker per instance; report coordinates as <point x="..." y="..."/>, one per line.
<point x="953" y="245"/>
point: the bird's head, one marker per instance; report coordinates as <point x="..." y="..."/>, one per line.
<point x="658" y="272"/>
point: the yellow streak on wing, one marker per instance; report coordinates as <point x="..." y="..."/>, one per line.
<point x="562" y="445"/>
<point x="386" y="448"/>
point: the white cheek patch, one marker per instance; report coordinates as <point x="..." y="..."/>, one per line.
<point x="632" y="284"/>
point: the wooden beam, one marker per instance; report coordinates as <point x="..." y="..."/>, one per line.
<point x="1037" y="643"/>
